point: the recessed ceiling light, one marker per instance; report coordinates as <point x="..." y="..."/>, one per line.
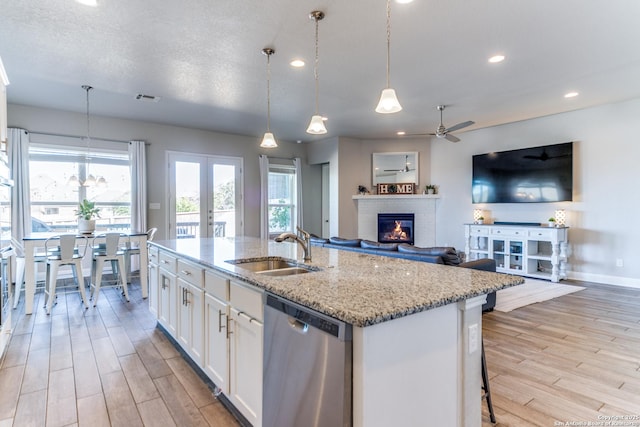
<point x="297" y="63"/>
<point x="93" y="3"/>
<point x="401" y="132"/>
<point x="496" y="58"/>
<point x="571" y="94"/>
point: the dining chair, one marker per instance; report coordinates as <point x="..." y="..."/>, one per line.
<point x="60" y="251"/>
<point x="40" y="258"/>
<point x="111" y="251"/>
<point x="131" y="251"/>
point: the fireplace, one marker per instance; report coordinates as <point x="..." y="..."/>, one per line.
<point x="395" y="228"/>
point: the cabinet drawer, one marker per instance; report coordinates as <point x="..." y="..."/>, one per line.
<point x="216" y="285"/>
<point x="541" y="234"/>
<point x="153" y="255"/>
<point x="190" y="272"/>
<point x="479" y="231"/>
<point x="510" y="232"/>
<point x="246" y="300"/>
<point x="167" y="261"/>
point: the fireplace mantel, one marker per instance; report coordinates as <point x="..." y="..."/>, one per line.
<point x="395" y="196"/>
<point x="423" y="206"/>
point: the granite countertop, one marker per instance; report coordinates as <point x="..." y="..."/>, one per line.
<point x="357" y="288"/>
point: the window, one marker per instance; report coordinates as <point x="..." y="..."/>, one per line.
<point x="282" y="199"/>
<point x="54" y="199"/>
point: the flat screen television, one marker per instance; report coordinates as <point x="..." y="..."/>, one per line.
<point x="529" y="175"/>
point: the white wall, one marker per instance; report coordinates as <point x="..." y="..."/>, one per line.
<point x="164" y="138"/>
<point x="606" y="178"/>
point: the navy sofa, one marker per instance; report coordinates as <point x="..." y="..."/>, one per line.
<point x="436" y="255"/>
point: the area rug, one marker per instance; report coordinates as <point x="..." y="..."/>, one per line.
<point x="531" y="292"/>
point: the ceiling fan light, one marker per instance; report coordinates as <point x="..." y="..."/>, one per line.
<point x="268" y="141"/>
<point x="316" y="126"/>
<point x="101" y="182"/>
<point x="388" y="102"/>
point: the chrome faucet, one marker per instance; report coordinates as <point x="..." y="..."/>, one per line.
<point x="303" y="238"/>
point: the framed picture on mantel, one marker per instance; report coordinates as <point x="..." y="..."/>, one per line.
<point x="397" y="188"/>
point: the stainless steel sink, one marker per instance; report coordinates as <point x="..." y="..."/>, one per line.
<point x="273" y="266"/>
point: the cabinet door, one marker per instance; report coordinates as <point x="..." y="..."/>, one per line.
<point x="167" y="306"/>
<point x="153" y="289"/>
<point x="216" y="355"/>
<point x="189" y="327"/>
<point x="245" y="362"/>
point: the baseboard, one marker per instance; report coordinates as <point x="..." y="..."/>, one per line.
<point x="605" y="279"/>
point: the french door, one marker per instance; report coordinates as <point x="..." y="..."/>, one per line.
<point x="205" y="196"/>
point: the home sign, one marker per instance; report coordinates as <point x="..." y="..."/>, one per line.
<point x="399" y="188"/>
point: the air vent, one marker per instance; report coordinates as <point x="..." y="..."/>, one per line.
<point x="151" y="98"/>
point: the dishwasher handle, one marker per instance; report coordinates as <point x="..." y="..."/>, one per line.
<point x="298" y="326"/>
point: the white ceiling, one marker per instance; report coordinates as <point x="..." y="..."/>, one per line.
<point x="203" y="58"/>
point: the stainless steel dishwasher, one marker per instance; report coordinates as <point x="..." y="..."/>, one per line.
<point x="307" y="367"/>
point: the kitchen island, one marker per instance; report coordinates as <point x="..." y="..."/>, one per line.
<point x="416" y="326"/>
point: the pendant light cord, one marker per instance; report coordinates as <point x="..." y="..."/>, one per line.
<point x="87" y="88"/>
<point x="268" y="91"/>
<point x="388" y="40"/>
<point x="315" y="67"/>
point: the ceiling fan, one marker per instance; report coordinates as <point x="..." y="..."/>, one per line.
<point x="405" y="169"/>
<point x="443" y="132"/>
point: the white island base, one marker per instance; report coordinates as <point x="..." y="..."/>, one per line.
<point x="422" y="369"/>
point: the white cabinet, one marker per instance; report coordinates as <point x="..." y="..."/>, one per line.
<point x="167" y="293"/>
<point x="245" y="351"/>
<point x="533" y="251"/>
<point x="216" y="353"/>
<point x="190" y="308"/>
<point x="217" y="321"/>
<point x="153" y="281"/>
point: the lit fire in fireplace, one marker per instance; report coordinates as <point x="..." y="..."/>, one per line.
<point x="397" y="233"/>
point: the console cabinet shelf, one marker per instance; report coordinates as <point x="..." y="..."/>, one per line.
<point x="533" y="251"/>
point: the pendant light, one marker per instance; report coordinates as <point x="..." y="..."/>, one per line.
<point x="268" y="140"/>
<point x="91" y="180"/>
<point x="388" y="100"/>
<point x="316" y="126"/>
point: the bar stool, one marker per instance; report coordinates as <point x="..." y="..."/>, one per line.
<point x="66" y="253"/>
<point x="109" y="251"/>
<point x="131" y="251"/>
<point x="485" y="387"/>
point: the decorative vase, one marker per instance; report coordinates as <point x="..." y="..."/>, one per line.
<point x="86" y="226"/>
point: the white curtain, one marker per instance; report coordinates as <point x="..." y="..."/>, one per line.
<point x="298" y="164"/>
<point x="264" y="196"/>
<point x="18" y="154"/>
<point x="138" y="161"/>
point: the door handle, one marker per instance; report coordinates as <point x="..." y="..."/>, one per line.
<point x="229" y="331"/>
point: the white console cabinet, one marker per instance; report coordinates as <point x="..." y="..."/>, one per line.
<point x="533" y="251"/>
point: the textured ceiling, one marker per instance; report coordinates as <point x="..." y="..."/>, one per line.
<point x="203" y="58"/>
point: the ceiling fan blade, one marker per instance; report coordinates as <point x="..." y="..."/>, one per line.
<point x="460" y="126"/>
<point x="452" y="138"/>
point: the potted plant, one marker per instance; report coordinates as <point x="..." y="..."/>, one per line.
<point x="480" y="220"/>
<point x="362" y="190"/>
<point x="430" y="189"/>
<point x="552" y="222"/>
<point x="87" y="213"/>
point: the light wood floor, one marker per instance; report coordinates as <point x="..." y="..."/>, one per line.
<point x="104" y="366"/>
<point x="573" y="358"/>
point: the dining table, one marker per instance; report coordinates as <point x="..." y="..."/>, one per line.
<point x="34" y="244"/>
